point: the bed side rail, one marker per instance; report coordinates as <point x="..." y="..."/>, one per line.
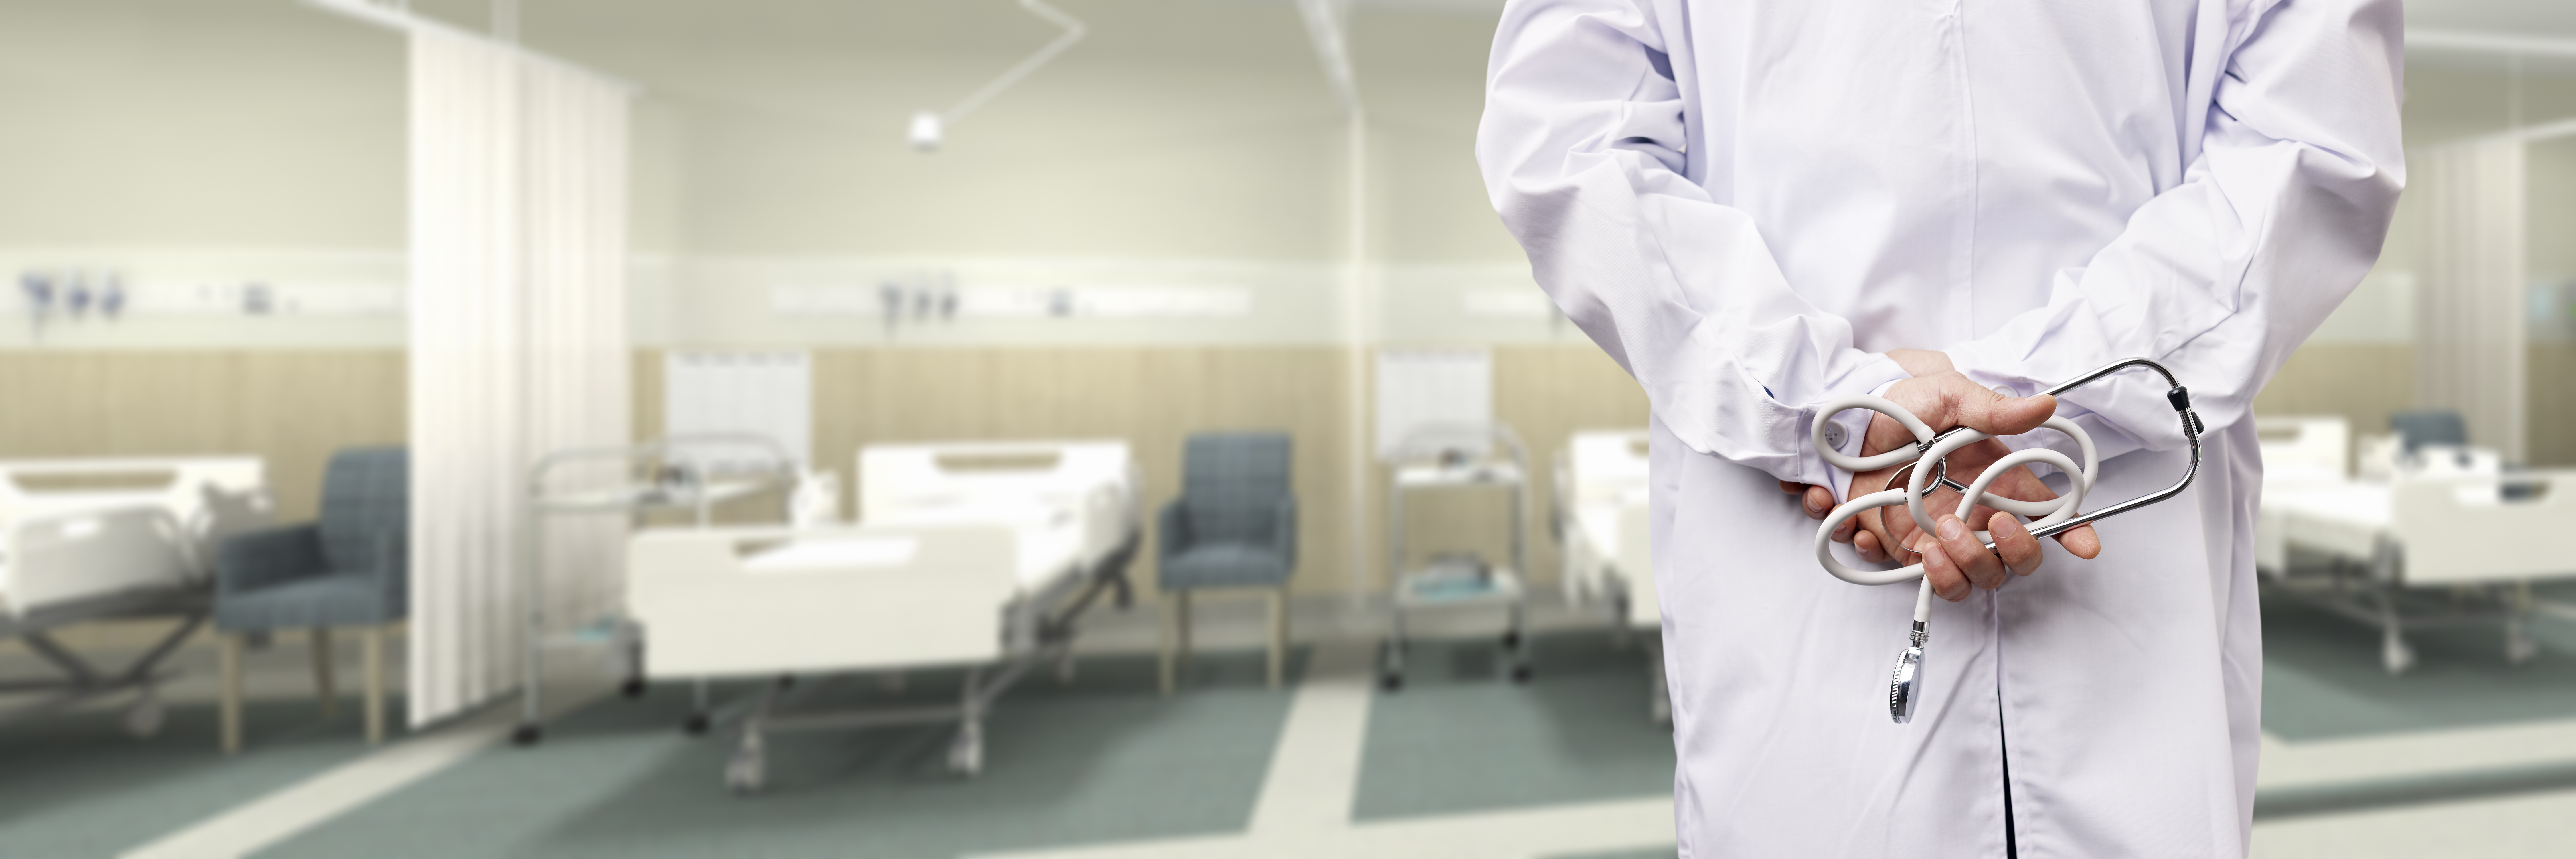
<point x="2487" y="528"/>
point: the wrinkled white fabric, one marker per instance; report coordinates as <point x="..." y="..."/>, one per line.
<point x="1745" y="202"/>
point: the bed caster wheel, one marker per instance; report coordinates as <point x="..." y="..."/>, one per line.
<point x="1391" y="682"/>
<point x="2520" y="649"/>
<point x="632" y="688"/>
<point x="1520" y="674"/>
<point x="747" y="772"/>
<point x="966" y="755"/>
<point x="527" y="735"/>
<point x="2395" y="656"/>
<point x="144" y="719"/>
<point x="695" y="726"/>
<point x="1512" y="640"/>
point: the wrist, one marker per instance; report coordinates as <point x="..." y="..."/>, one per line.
<point x="1920" y="362"/>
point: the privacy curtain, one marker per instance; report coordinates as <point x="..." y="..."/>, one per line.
<point x="518" y="347"/>
<point x="2469" y="335"/>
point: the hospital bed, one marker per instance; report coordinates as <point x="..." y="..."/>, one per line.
<point x="88" y="540"/>
<point x="973" y="555"/>
<point x="1600" y="525"/>
<point x="694" y="474"/>
<point x="2447" y="539"/>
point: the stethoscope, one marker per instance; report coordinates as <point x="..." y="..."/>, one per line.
<point x="2056" y="515"/>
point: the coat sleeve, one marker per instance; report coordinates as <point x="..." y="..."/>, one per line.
<point x="2279" y="215"/>
<point x="1583" y="148"/>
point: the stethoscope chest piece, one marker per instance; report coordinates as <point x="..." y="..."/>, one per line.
<point x="1900" y="685"/>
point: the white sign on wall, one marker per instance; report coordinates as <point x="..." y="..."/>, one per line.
<point x="1417" y="388"/>
<point x="763" y="392"/>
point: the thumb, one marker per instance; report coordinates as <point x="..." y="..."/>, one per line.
<point x="1995" y="414"/>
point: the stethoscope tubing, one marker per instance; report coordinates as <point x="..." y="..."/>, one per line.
<point x="2052" y="517"/>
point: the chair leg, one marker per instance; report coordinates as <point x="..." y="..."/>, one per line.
<point x="322" y="672"/>
<point x="373" y="638"/>
<point x="228" y="650"/>
<point x="1171" y="619"/>
<point x="1278" y="632"/>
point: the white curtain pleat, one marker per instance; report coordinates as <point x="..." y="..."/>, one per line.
<point x="2469" y="325"/>
<point x="518" y="347"/>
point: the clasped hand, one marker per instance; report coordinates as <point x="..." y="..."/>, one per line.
<point x="1953" y="558"/>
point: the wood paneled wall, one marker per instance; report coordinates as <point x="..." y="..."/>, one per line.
<point x="292" y="408"/>
<point x="2365" y="382"/>
<point x="295" y="407"/>
<point x="1156" y="397"/>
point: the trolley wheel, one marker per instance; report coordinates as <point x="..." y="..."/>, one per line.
<point x="1520" y="674"/>
<point x="966" y="754"/>
<point x="695" y="726"/>
<point x="2395" y="656"/>
<point x="1391" y="681"/>
<point x="2519" y="648"/>
<point x="527" y="734"/>
<point x="632" y="688"/>
<point x="1512" y="639"/>
<point x="747" y="771"/>
<point x="144" y="719"/>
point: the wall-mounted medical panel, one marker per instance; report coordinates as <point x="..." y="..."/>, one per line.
<point x="129" y="298"/>
<point x="998" y="301"/>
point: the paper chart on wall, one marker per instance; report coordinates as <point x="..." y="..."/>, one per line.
<point x="769" y="393"/>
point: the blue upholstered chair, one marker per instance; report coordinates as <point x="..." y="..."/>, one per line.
<point x="349" y="568"/>
<point x="1234" y="526"/>
<point x="2416" y="429"/>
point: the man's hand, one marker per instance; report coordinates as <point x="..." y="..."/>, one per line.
<point x="1953" y="559"/>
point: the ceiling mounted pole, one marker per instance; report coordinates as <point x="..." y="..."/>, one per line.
<point x="930" y="127"/>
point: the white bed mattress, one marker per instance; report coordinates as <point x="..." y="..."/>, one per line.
<point x="2339" y="517"/>
<point x="1049" y="537"/>
<point x="61" y="545"/>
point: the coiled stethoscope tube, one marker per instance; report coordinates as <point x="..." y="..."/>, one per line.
<point x="2055" y="516"/>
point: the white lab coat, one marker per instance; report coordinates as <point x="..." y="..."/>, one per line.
<point x="1746" y="201"/>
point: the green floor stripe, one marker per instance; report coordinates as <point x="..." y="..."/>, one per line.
<point x="77" y="785"/>
<point x="1460" y="737"/>
<point x="1105" y="759"/>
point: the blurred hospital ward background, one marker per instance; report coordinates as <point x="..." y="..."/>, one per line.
<point x="1031" y="428"/>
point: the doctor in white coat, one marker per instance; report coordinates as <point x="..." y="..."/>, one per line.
<point x="1758" y="205"/>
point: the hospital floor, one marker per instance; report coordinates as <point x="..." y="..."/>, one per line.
<point x="2464" y="756"/>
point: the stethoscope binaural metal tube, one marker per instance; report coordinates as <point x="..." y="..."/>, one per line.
<point x="2055" y="516"/>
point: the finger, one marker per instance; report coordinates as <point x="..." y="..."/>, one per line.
<point x="2020" y="484"/>
<point x="1898" y="534"/>
<point x="2020" y="550"/>
<point x="1820" y="501"/>
<point x="1866" y="544"/>
<point x="1792" y="487"/>
<point x="1947" y="583"/>
<point x="1844" y="532"/>
<point x="2081" y="542"/>
<point x="1971" y="556"/>
<point x="1995" y="414"/>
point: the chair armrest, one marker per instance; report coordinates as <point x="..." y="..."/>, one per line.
<point x="252" y="560"/>
<point x="1283" y="530"/>
<point x="1171" y="531"/>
